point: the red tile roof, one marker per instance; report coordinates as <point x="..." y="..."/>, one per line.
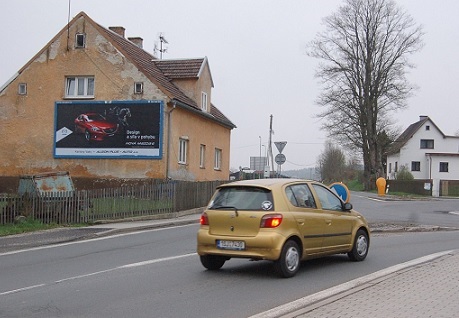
<point x="162" y="72"/>
<point x="177" y="69"/>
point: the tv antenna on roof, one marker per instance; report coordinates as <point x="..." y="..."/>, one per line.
<point x="161" y="50"/>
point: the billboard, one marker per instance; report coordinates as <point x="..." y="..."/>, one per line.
<point x="258" y="163"/>
<point x="108" y="129"/>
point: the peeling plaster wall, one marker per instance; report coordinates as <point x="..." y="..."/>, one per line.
<point x="27" y="122"/>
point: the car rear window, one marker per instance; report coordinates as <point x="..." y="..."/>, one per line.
<point x="242" y="198"/>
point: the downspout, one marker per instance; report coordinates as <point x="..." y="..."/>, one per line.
<point x="169" y="139"/>
<point x="429" y="158"/>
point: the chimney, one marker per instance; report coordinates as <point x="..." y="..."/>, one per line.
<point x="422" y="117"/>
<point x="137" y="41"/>
<point x="118" y="30"/>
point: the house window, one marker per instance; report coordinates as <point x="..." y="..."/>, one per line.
<point x="22" y="89"/>
<point x="427" y="127"/>
<point x="202" y="156"/>
<point x="396" y="166"/>
<point x="204" y="101"/>
<point x="218" y="159"/>
<point x="443" y="167"/>
<point x="390" y="167"/>
<point x="415" y="166"/>
<point x="427" y="144"/>
<point x="183" y="147"/>
<point x="138" y="88"/>
<point x="80" y="40"/>
<point x="79" y="87"/>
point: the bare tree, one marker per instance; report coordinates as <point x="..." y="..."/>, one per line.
<point x="364" y="52"/>
<point x="332" y="163"/>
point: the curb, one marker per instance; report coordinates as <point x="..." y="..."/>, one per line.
<point x="303" y="305"/>
<point x="141" y="228"/>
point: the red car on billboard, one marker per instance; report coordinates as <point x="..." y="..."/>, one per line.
<point x="95" y="127"/>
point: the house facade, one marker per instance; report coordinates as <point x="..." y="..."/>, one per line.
<point x="426" y="152"/>
<point x="96" y="104"/>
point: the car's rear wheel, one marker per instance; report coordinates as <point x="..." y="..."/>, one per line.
<point x="360" y="248"/>
<point x="288" y="263"/>
<point x="212" y="262"/>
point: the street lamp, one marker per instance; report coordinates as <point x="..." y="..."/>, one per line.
<point x="259" y="158"/>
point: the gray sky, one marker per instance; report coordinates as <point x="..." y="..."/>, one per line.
<point x="256" y="51"/>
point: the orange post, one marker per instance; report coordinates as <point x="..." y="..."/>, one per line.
<point x="381" y="185"/>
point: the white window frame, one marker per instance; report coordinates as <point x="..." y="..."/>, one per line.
<point x="204" y="101"/>
<point x="218" y="159"/>
<point x="183" y="149"/>
<point x="77" y="41"/>
<point x="427" y="144"/>
<point x="202" y="156"/>
<point x="22" y="89"/>
<point x="79" y="86"/>
<point x="443" y="166"/>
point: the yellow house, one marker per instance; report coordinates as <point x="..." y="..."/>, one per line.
<point x="97" y="105"/>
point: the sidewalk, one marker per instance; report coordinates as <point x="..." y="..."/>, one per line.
<point x="425" y="287"/>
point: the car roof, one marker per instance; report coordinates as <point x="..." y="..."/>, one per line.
<point x="264" y="183"/>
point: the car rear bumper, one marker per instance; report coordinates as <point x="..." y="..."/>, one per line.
<point x="266" y="245"/>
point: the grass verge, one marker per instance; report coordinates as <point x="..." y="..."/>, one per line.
<point x="28" y="225"/>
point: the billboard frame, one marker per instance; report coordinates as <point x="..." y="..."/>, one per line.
<point x="129" y="145"/>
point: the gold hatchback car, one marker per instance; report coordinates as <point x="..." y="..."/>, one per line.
<point x="281" y="220"/>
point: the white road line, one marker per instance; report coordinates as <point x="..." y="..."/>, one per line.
<point x="127" y="266"/>
<point x="156" y="261"/>
<point x="90" y="240"/>
<point x="21" y="289"/>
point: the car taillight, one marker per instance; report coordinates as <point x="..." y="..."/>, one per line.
<point x="204" y="219"/>
<point x="271" y="220"/>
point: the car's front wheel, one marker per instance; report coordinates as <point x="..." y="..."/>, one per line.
<point x="212" y="262"/>
<point x="288" y="263"/>
<point x="360" y="248"/>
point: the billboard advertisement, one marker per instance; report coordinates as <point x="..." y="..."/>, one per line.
<point x="108" y="129"/>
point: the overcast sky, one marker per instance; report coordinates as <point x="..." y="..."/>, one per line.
<point x="256" y="52"/>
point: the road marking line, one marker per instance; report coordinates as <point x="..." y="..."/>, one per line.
<point x="155" y="261"/>
<point x="89" y="240"/>
<point x="21" y="289"/>
<point x="377" y="200"/>
<point x="138" y="264"/>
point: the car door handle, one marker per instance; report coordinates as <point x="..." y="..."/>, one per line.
<point x="300" y="221"/>
<point x="328" y="222"/>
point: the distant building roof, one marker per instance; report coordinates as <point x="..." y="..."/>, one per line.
<point x="408" y="134"/>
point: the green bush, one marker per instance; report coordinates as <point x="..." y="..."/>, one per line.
<point x="404" y="174"/>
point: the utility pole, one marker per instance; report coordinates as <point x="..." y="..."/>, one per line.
<point x="270" y="148"/>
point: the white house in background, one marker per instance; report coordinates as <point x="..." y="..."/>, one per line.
<point x="427" y="153"/>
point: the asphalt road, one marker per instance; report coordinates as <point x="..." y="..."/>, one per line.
<point x="442" y="212"/>
<point x="156" y="273"/>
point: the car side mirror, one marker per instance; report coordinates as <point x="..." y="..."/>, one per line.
<point x="347" y="206"/>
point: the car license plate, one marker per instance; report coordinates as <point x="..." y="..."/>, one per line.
<point x="231" y="245"/>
